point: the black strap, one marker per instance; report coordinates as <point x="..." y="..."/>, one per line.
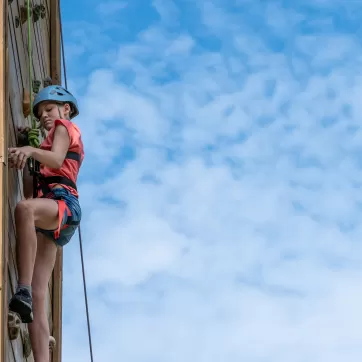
<point x="34" y="166"/>
<point x="73" y="156"/>
<point x="57" y="180"/>
<point x="70" y="221"/>
<point x="42" y="183"/>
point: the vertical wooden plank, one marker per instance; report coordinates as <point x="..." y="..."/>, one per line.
<point x="10" y="180"/>
<point x="20" y="45"/>
<point x="3" y="177"/>
<point x="41" y="42"/>
<point x="47" y="9"/>
<point x="55" y="68"/>
<point x="44" y="40"/>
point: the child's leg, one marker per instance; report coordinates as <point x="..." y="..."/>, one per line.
<point x="42" y="213"/>
<point x="39" y="328"/>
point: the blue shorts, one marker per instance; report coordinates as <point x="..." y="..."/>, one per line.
<point x="70" y="215"/>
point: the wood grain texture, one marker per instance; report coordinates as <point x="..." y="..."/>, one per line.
<point x="14" y="77"/>
<point x="3" y="178"/>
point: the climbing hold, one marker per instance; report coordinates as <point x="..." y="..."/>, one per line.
<point x="14" y="323"/>
<point x="22" y="137"/>
<point x="52" y="343"/>
<point x="38" y="12"/>
<point x="47" y="82"/>
<point x="26" y="344"/>
<point x="26" y="103"/>
<point x="42" y="12"/>
<point x="36" y="85"/>
<point x="28" y="137"/>
<point x="23" y="16"/>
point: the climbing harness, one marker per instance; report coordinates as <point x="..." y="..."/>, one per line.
<point x="40" y="181"/>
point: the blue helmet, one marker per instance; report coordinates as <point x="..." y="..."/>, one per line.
<point x="56" y="94"/>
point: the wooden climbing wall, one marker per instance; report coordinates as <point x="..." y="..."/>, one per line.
<point x="17" y="79"/>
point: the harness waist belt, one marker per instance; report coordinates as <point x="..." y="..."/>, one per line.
<point x="58" y="180"/>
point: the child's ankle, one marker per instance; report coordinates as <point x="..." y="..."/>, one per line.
<point x="22" y="286"/>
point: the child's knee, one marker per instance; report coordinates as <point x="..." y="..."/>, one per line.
<point x="23" y="208"/>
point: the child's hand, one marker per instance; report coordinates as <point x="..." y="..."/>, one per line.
<point x="18" y="156"/>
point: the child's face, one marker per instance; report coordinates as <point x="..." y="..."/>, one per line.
<point x="49" y="112"/>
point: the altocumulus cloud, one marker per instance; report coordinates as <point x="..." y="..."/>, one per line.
<point x="221" y="189"/>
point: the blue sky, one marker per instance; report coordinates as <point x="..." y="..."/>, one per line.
<point x="221" y="184"/>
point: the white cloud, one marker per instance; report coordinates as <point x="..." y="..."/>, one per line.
<point x="233" y="230"/>
<point x="168" y="11"/>
<point x="108" y="8"/>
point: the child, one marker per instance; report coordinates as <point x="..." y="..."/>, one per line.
<point x="50" y="214"/>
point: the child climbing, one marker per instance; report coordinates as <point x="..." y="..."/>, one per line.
<point x="50" y="213"/>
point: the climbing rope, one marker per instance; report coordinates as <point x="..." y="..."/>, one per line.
<point x="79" y="230"/>
<point x="33" y="138"/>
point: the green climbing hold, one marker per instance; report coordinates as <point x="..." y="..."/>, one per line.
<point x="36" y="85"/>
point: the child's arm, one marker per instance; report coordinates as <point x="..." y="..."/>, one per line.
<point x="52" y="159"/>
<point x="55" y="157"/>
